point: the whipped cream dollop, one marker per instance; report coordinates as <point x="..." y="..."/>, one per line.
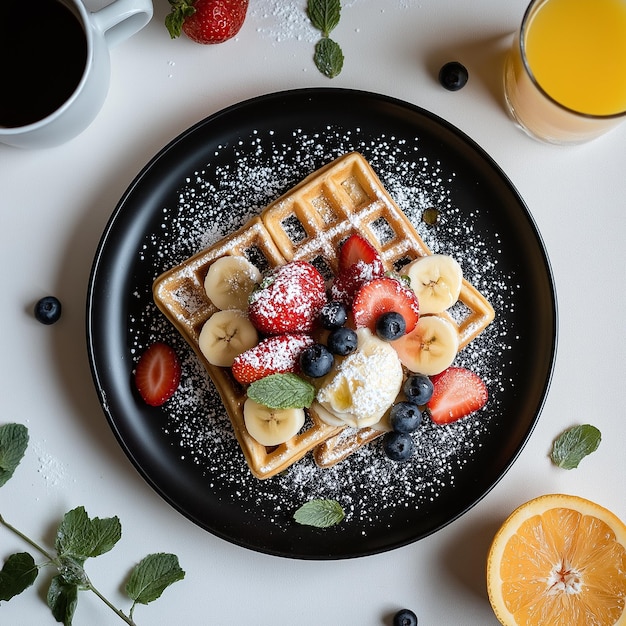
<point x="360" y="389"/>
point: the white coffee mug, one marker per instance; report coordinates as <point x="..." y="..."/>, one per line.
<point x="103" y="29"/>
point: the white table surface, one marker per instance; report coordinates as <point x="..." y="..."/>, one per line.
<point x="56" y="202"/>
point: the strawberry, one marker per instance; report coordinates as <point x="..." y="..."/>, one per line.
<point x="206" y="21"/>
<point x="274" y="355"/>
<point x="288" y="300"/>
<point x="354" y="249"/>
<point x="384" y="295"/>
<point x="351" y="279"/>
<point x="359" y="262"/>
<point x="157" y="374"/>
<point x="457" y="392"/>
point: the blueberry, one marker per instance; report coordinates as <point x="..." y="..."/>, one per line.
<point x="48" y="310"/>
<point x="390" y="326"/>
<point x="405" y="417"/>
<point x="342" y="341"/>
<point x="398" y="446"/>
<point x="453" y="76"/>
<point x="316" y="360"/>
<point x="418" y="389"/>
<point x="405" y="617"/>
<point x="333" y="315"/>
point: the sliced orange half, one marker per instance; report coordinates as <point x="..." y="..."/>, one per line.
<point x="559" y="560"/>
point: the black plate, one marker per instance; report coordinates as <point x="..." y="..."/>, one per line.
<point x="209" y="181"/>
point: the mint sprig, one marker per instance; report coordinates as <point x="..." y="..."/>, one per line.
<point x="574" y="444"/>
<point x="328" y="56"/>
<point x="77" y="539"/>
<point x="319" y="513"/>
<point x="282" y="391"/>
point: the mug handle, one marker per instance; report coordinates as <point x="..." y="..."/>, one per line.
<point x="121" y="19"/>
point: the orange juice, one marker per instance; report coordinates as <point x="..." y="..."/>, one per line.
<point x="565" y="79"/>
<point x="576" y="50"/>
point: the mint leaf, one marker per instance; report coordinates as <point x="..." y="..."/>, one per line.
<point x="80" y="537"/>
<point x="13" y="443"/>
<point x="152" y="576"/>
<point x="19" y="573"/>
<point x="62" y="599"/>
<point x="319" y="513"/>
<point x="328" y="57"/>
<point x="324" y="14"/>
<point x="282" y="391"/>
<point x="575" y="444"/>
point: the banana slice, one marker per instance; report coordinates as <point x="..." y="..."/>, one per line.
<point x="326" y="416"/>
<point x="430" y="348"/>
<point x="225" y="335"/>
<point x="436" y="280"/>
<point x="271" y="427"/>
<point x="230" y="281"/>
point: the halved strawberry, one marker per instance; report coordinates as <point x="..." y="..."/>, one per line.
<point x="351" y="279"/>
<point x="356" y="248"/>
<point x="157" y="374"/>
<point x="457" y="393"/>
<point x="278" y="354"/>
<point x="383" y="295"/>
<point x="289" y="299"/>
<point x="359" y="262"/>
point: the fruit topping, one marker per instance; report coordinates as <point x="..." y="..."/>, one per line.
<point x="274" y="355"/>
<point x="453" y="76"/>
<point x="225" y="335"/>
<point x="398" y="446"/>
<point x="342" y="341"/>
<point x="288" y="300"/>
<point x="418" y="389"/>
<point x="405" y="417"/>
<point x="430" y="348"/>
<point x="157" y="374"/>
<point x="457" y="393"/>
<point x="334" y="314"/>
<point x="355" y="249"/>
<point x="230" y="281"/>
<point x="271" y="427"/>
<point x="405" y="617"/>
<point x="436" y="280"/>
<point x="316" y="360"/>
<point x="390" y="326"/>
<point x="383" y="295"/>
<point x="206" y="21"/>
<point x="359" y="263"/>
<point x="48" y="310"/>
<point x="349" y="281"/>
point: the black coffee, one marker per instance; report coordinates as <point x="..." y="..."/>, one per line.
<point x="43" y="52"/>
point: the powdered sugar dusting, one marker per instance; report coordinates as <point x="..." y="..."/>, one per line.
<point x="214" y="201"/>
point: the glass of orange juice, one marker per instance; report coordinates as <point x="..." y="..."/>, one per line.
<point x="565" y="77"/>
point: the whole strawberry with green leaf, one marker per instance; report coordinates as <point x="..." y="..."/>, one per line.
<point x="206" y="21"/>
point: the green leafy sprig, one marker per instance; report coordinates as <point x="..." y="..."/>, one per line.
<point x="574" y="444"/>
<point x="319" y="513"/>
<point x="78" y="538"/>
<point x="328" y="56"/>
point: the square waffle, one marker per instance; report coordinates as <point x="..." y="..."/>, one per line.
<point x="308" y="223"/>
